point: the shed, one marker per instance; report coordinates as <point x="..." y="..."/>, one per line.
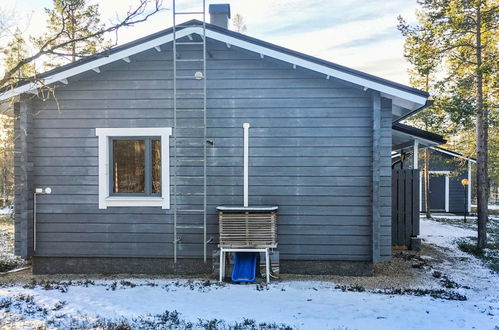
<point x="447" y="171"/>
<point x="121" y="152"/>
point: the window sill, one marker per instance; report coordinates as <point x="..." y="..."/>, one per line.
<point x="122" y="201"/>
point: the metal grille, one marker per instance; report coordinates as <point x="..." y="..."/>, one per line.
<point x="248" y="229"/>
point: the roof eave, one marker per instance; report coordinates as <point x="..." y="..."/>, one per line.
<point x="405" y="96"/>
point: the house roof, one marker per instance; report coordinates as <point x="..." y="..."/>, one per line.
<point x="405" y="99"/>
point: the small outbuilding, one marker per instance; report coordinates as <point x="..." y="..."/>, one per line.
<point x="450" y="188"/>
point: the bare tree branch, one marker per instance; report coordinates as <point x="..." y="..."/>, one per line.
<point x="135" y="15"/>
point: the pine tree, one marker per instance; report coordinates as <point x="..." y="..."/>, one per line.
<point x="464" y="36"/>
<point x="85" y="27"/>
<point x="74" y="21"/>
<point x="15" y="51"/>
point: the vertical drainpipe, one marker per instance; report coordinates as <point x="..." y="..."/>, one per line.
<point x="246" y="127"/>
<point x="376" y="162"/>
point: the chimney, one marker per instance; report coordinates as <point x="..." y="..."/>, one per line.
<point x="220" y="14"/>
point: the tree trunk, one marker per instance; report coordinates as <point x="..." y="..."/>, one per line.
<point x="481" y="142"/>
<point x="426" y="178"/>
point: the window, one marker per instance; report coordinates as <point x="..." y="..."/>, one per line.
<point x="134" y="167"/>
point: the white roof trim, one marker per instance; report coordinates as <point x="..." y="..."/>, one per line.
<point x="263" y="51"/>
<point x="95" y="63"/>
<point x="453" y="154"/>
<point x="313" y="66"/>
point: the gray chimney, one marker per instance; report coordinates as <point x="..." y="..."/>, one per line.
<point x="220" y="14"/>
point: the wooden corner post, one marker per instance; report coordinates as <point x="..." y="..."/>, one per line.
<point x="376" y="163"/>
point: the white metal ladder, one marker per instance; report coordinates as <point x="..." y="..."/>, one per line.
<point x="189" y="139"/>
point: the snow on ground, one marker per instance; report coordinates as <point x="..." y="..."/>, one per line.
<point x="299" y="304"/>
<point x="305" y="304"/>
<point x="8" y="260"/>
<point x="442" y="234"/>
<point x="6" y="210"/>
<point x="461" y="267"/>
<point x="491" y="206"/>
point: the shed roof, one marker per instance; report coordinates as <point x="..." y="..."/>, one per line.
<point x="403" y="137"/>
<point x="453" y="154"/>
<point x="405" y="99"/>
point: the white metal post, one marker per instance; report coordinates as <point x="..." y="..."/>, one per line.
<point x="34" y="222"/>
<point x="469" y="186"/>
<point x="267" y="265"/>
<point x="415" y="155"/>
<point x="246" y="127"/>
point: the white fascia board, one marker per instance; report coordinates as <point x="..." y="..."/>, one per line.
<point x="263" y="51"/>
<point x="95" y="63"/>
<point x="313" y="66"/>
<point x="453" y="154"/>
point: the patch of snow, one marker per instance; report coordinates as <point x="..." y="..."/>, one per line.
<point x="6" y="210"/>
<point x="491" y="206"/>
<point x="300" y="304"/>
<point x="441" y="234"/>
<point x="461" y="267"/>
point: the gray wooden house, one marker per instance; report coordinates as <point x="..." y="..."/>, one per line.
<point x="122" y="155"/>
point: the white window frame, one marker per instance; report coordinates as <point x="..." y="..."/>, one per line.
<point x="105" y="200"/>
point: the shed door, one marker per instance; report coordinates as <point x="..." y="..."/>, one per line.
<point x="437" y="193"/>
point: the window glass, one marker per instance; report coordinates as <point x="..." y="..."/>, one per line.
<point x="128" y="166"/>
<point x="156" y="166"/>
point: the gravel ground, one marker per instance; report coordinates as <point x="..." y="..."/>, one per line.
<point x="408" y="269"/>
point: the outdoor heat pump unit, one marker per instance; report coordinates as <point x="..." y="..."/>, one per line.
<point x="250" y="229"/>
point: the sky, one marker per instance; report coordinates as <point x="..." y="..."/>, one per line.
<point x="360" y="34"/>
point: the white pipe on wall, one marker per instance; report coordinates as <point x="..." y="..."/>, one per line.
<point x="246" y="127"/>
<point x="415" y="156"/>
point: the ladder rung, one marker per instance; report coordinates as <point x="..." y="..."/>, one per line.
<point x="184" y="26"/>
<point x="191" y="194"/>
<point x="189" y="13"/>
<point x="190" y="94"/>
<point x="190" y="227"/>
<point x="189" y="43"/>
<point x="189" y="77"/>
<point x="190" y="60"/>
<point x="190" y="126"/>
<point x="191" y="144"/>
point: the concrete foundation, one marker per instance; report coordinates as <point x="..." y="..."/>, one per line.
<point x="326" y="267"/>
<point x="155" y="266"/>
<point x="98" y="265"/>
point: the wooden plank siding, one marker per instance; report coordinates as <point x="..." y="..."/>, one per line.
<point x="310" y="154"/>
